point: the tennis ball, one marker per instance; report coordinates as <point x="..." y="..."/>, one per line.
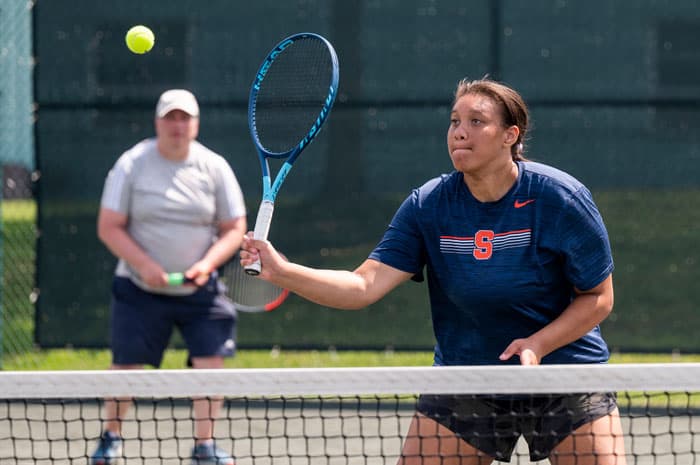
<point x="140" y="39"/>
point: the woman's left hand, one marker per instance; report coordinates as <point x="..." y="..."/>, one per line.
<point x="525" y="349"/>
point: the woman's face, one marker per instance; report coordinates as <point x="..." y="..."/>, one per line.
<point x="477" y="137"/>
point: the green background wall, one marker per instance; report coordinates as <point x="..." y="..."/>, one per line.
<point x="613" y="89"/>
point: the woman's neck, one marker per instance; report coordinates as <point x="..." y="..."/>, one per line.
<point x="492" y="185"/>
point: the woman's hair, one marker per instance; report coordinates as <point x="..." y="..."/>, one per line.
<point x="513" y="109"/>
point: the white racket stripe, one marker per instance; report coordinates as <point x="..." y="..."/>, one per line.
<point x="261" y="231"/>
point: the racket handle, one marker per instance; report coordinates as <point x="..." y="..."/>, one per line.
<point x="176" y="279"/>
<point x="262" y="229"/>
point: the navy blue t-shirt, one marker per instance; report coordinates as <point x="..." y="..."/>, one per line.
<point x="498" y="271"/>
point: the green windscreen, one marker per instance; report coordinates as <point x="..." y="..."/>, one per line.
<point x="612" y="91"/>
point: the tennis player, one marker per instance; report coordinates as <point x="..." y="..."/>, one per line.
<point x="519" y="271"/>
<point x="170" y="205"/>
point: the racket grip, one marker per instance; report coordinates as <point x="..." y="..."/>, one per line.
<point x="262" y="229"/>
<point x="176" y="279"/>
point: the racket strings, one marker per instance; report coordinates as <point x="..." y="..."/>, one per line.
<point x="293" y="94"/>
<point x="248" y="292"/>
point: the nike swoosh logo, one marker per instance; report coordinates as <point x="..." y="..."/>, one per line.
<point x="519" y="204"/>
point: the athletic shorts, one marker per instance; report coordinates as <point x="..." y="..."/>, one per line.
<point x="493" y="424"/>
<point x="143" y="322"/>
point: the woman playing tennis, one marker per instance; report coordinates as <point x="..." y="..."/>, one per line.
<point x="519" y="271"/>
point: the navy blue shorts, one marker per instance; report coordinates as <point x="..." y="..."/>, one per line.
<point x="143" y="322"/>
<point x="493" y="424"/>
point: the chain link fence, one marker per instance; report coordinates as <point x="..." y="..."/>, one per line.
<point x="17" y="165"/>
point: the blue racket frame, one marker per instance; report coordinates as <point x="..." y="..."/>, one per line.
<point x="270" y="189"/>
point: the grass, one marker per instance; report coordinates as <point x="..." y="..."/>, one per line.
<point x="84" y="359"/>
<point x="18" y="210"/>
<point x="69" y="359"/>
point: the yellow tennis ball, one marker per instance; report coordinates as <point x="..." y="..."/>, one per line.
<point x="140" y="39"/>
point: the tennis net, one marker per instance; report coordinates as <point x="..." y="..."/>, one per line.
<point x="334" y="416"/>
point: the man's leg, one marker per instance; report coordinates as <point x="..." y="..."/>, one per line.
<point x="206" y="411"/>
<point x="109" y="448"/>
<point x="116" y="409"/>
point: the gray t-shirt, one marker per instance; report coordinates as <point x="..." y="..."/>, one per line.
<point x="173" y="207"/>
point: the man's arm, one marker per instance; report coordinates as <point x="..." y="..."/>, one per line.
<point x="111" y="230"/>
<point x="229" y="240"/>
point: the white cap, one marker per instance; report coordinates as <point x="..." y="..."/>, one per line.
<point x="177" y="99"/>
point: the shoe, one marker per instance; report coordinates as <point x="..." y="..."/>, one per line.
<point x="109" y="450"/>
<point x="209" y="454"/>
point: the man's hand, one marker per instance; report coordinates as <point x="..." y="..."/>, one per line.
<point x="153" y="275"/>
<point x="200" y="272"/>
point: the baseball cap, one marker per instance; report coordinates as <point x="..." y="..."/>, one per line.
<point x="177" y="99"/>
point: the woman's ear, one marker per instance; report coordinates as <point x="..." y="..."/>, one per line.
<point x="511" y="135"/>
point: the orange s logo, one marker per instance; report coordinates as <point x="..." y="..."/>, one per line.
<point x="483" y="244"/>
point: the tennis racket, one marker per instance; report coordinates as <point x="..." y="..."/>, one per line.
<point x="290" y="99"/>
<point x="247" y="293"/>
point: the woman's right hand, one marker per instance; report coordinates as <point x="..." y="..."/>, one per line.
<point x="253" y="250"/>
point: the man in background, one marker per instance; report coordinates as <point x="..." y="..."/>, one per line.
<point x="170" y="205"/>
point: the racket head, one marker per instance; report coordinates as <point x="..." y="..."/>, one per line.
<point x="292" y="95"/>
<point x="248" y="293"/>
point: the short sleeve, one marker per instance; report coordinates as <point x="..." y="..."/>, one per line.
<point x="584" y="242"/>
<point x="229" y="197"/>
<point x="402" y="246"/>
<point x="116" y="194"/>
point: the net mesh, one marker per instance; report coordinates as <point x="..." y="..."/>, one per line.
<point x="324" y="416"/>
